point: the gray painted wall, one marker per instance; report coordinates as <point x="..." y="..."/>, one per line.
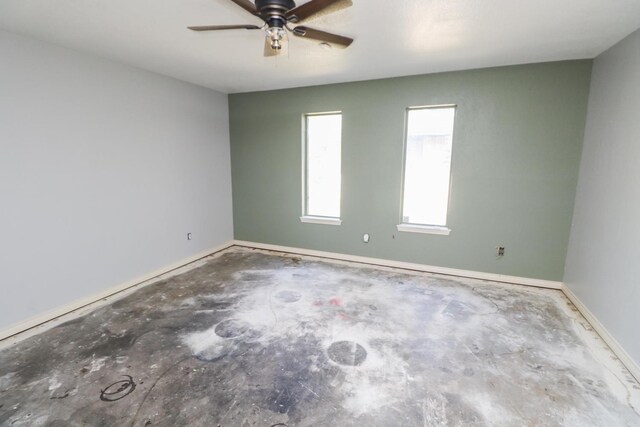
<point x="104" y="168"/>
<point x="602" y="261"/>
<point x="517" y="145"/>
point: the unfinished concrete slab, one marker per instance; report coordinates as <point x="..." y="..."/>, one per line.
<point x="251" y="338"/>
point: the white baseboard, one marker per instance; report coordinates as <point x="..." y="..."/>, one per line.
<point x="539" y="283"/>
<point x="102" y="298"/>
<point x="613" y="344"/>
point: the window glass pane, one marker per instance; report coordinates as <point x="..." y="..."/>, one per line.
<point x="427" y="168"/>
<point x="323" y="174"/>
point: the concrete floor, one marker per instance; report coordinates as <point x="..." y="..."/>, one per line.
<point x="249" y="338"/>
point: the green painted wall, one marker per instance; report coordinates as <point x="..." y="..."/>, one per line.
<point x="517" y="145"/>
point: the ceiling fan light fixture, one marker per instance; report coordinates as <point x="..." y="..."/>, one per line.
<point x="277" y="14"/>
<point x="275" y="35"/>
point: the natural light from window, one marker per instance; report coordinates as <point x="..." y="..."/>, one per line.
<point x="323" y="164"/>
<point x="427" y="168"/>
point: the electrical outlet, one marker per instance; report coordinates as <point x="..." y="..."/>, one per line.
<point x="500" y="251"/>
<point x="365" y="238"/>
<point x="189" y="236"/>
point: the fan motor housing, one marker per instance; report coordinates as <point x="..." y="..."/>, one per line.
<point x="282" y="5"/>
<point x="274" y="11"/>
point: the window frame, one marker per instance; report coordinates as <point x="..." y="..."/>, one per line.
<point x="306" y="217"/>
<point x="425" y="228"/>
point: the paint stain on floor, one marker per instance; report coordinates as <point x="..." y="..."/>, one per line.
<point x="250" y="338"/>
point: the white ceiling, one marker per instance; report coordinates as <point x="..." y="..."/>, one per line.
<point x="393" y="37"/>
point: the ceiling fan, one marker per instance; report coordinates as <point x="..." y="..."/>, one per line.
<point x="278" y="14"/>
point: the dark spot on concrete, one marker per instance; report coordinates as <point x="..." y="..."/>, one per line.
<point x="64" y="396"/>
<point x="210" y="356"/>
<point x="347" y="353"/>
<point x="253" y="277"/>
<point x="111" y="344"/>
<point x="231" y="328"/>
<point x="373" y="307"/>
<point x="214" y="305"/>
<point x="293" y="383"/>
<point x="118" y="390"/>
<point x="288" y="296"/>
<point x="468" y="372"/>
<point x="37" y="363"/>
<point x="83" y="417"/>
<point x="71" y="322"/>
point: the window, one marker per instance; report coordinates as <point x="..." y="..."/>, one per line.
<point x="427" y="169"/>
<point x="322" y="168"/>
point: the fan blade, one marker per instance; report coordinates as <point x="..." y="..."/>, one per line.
<point x="315" y="7"/>
<point x="268" y="51"/>
<point x="310" y="33"/>
<point x="224" y="27"/>
<point x="247" y="5"/>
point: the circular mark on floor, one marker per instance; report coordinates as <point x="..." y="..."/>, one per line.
<point x="118" y="390"/>
<point x="288" y="296"/>
<point x="347" y="353"/>
<point x="211" y="355"/>
<point x="231" y="328"/>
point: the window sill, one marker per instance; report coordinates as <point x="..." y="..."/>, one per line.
<point x="321" y="220"/>
<point x="425" y="229"/>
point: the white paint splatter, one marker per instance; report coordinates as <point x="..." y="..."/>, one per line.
<point x="54" y="383"/>
<point x="6" y="380"/>
<point x="97" y="364"/>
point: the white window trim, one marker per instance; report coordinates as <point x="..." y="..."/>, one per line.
<point x="424" y="229"/>
<point x="324" y="220"/>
